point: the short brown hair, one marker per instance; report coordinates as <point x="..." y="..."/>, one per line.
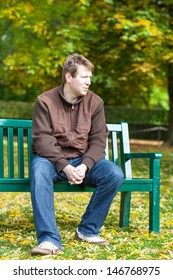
<point x="71" y="64"/>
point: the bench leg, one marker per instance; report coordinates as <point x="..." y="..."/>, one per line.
<point x="154" y="220"/>
<point x="154" y="197"/>
<point x="125" y="209"/>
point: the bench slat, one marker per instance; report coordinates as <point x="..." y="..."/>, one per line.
<point x="137" y="185"/>
<point x="10" y="155"/>
<point x="20" y="136"/>
<point x="29" y="143"/>
<point x="115" y="147"/>
<point x="1" y="152"/>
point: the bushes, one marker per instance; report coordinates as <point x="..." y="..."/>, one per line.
<point x="16" y="110"/>
<point x="136" y="115"/>
<point x="24" y="110"/>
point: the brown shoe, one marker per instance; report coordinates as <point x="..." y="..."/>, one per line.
<point x="44" y="251"/>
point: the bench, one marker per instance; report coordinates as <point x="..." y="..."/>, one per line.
<point x="15" y="157"/>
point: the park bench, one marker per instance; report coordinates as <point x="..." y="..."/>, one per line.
<point x="15" y="157"/>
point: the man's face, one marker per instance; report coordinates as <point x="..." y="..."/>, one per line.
<point x="81" y="82"/>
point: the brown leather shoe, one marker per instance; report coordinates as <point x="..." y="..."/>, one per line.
<point x="44" y="251"/>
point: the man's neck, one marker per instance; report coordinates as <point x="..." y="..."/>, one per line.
<point x="68" y="94"/>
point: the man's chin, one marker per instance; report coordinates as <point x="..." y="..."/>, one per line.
<point x="84" y="93"/>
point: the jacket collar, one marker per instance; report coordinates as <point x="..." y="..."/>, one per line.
<point x="61" y="93"/>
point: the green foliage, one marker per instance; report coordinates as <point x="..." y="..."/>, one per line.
<point x="159" y="98"/>
<point x="129" y="42"/>
<point x="17" y="236"/>
<point x="16" y="110"/>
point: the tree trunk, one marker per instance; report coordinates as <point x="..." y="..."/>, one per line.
<point x="169" y="142"/>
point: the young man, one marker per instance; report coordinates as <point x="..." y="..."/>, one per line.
<point x="69" y="139"/>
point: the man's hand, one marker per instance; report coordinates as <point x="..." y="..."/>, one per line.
<point x="75" y="175"/>
<point x="81" y="170"/>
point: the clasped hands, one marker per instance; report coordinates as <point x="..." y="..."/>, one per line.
<point x="75" y="175"/>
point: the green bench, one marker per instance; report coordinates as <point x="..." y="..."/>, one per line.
<point x="15" y="157"/>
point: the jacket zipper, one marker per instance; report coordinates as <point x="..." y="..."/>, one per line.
<point x="71" y="134"/>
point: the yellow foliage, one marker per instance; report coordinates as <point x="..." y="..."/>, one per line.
<point x="126" y="21"/>
<point x="118" y="26"/>
<point x="137" y="47"/>
<point x="119" y="16"/>
<point x="40" y="28"/>
<point x="24" y="242"/>
<point x="145" y="67"/>
<point x="143" y="22"/>
<point x="149" y="26"/>
<point x="155" y="31"/>
<point x="168" y="56"/>
<point x="170" y="37"/>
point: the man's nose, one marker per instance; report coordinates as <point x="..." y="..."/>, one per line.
<point x="88" y="81"/>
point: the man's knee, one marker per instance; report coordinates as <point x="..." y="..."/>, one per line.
<point x="114" y="172"/>
<point x="106" y="170"/>
<point x="40" y="167"/>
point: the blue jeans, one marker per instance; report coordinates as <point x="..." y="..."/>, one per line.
<point x="105" y="177"/>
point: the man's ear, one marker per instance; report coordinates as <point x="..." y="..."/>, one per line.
<point x="68" y="77"/>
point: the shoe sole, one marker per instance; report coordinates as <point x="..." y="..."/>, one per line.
<point x="44" y="252"/>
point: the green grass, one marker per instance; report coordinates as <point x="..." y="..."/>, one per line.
<point x="17" y="234"/>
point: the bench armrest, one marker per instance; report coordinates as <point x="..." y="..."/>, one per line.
<point x="154" y="165"/>
<point x="143" y="155"/>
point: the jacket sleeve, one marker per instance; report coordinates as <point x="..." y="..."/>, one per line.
<point x="44" y="143"/>
<point x="97" y="138"/>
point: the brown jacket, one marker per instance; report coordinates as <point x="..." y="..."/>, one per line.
<point x="62" y="130"/>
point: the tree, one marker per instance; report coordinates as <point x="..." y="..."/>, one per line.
<point x="170" y="82"/>
<point x="36" y="38"/>
<point x="130" y="43"/>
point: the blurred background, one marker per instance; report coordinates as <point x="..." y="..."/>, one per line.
<point x="129" y="42"/>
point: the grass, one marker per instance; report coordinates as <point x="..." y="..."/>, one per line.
<point x="17" y="234"/>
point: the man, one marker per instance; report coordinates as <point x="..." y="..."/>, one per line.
<point x="69" y="139"/>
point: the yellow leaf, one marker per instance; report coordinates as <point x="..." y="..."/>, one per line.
<point x="137" y="47"/>
<point x="143" y="22"/>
